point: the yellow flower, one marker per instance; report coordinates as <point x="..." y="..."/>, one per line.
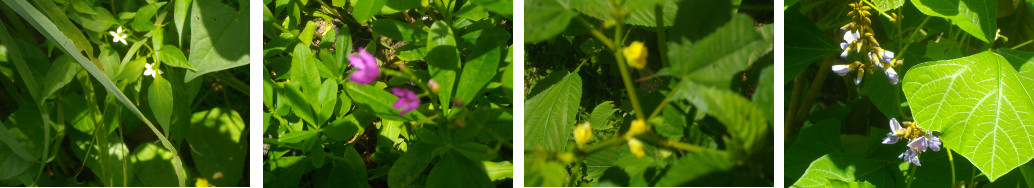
<point x="637" y="147"/>
<point x="202" y="182"/>
<point x="582" y="134"/>
<point x="638" y="126"/>
<point x="635" y="54"/>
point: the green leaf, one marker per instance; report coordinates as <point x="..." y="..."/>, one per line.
<point x="298" y="102"/>
<point x="603" y="112"/>
<point x="410" y="166"/>
<point x="763" y="95"/>
<point x="342" y="48"/>
<point x="362" y="11"/>
<point x="550" y="18"/>
<point x="544" y="174"/>
<point x="156" y="162"/>
<point x="453" y="168"/>
<point x="179" y="18"/>
<point x="351" y="173"/>
<point x="379" y="101"/>
<point x="698" y="19"/>
<point x="61" y="21"/>
<point x="326" y="101"/>
<point x="219" y="144"/>
<point x="297" y="137"/>
<point x="674" y="123"/>
<point x="504" y="7"/>
<point x="443" y="60"/>
<point x="142" y="19"/>
<point x="304" y="71"/>
<point x="597" y="163"/>
<point x="809" y="44"/>
<point x="482" y="65"/>
<point x="306" y="35"/>
<point x="640" y="13"/>
<point x="342" y="129"/>
<point x="498" y="170"/>
<point x="159" y="95"/>
<point x="60" y="74"/>
<point x="980" y="106"/>
<point x="318" y="156"/>
<point x="474" y="151"/>
<point x="887" y="5"/>
<point x="216" y="35"/>
<point x="699" y="169"/>
<point x="101" y="22"/>
<point x="398" y="30"/>
<point x="976" y="17"/>
<point x="338" y="3"/>
<point x="551" y="114"/>
<point x="172" y="56"/>
<point x="812" y="143"/>
<point x="714" y="58"/>
<point x="745" y="121"/>
<point x="843" y="167"/>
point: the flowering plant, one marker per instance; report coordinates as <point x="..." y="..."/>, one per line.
<point x="384" y="93"/>
<point x="957" y="74"/>
<point x="123" y="93"/>
<point x="675" y="93"/>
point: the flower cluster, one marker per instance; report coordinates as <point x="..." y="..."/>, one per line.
<point x="858" y="37"/>
<point x="919" y="140"/>
<point x="367" y="71"/>
<point x="636" y="146"/>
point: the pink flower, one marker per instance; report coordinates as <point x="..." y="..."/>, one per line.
<point x="408" y="101"/>
<point x="366" y="66"/>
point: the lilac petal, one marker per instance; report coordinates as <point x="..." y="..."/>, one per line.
<point x="894" y="125"/>
<point x="918" y="144"/>
<point x="408" y="101"/>
<point x="934" y="142"/>
<point x="891" y="75"/>
<point x="891" y="138"/>
<point x="887" y="56"/>
<point x="356" y="62"/>
<point x="843" y="46"/>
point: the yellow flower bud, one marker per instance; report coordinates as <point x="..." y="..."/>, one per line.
<point x="638" y="126"/>
<point x="202" y="182"/>
<point x="637" y="147"/>
<point x="566" y="157"/>
<point x="582" y="134"/>
<point x="635" y="54"/>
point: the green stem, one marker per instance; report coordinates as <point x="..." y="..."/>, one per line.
<point x="596" y="33"/>
<point x="814" y="90"/>
<point x="1021" y="45"/>
<point x="910" y="38"/>
<point x="952" y="161"/>
<point x="911" y="174"/>
<point x="662" y="39"/>
<point x="623" y="68"/>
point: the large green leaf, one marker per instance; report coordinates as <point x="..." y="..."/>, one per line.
<point x="844" y="167"/>
<point x="443" y="60"/>
<point x="976" y="17"/>
<point x="699" y="169"/>
<point x="409" y="167"/>
<point x="697" y="19"/>
<point x="809" y="44"/>
<point x="713" y="59"/>
<point x="482" y="65"/>
<point x="51" y="32"/>
<point x="551" y="114"/>
<point x="159" y="95"/>
<point x="179" y="18"/>
<point x="745" y="121"/>
<point x="364" y="10"/>
<point x="548" y="19"/>
<point x="453" y="170"/>
<point x="981" y="107"/>
<point x="603" y="112"/>
<point x="812" y="143"/>
<point x="156" y="163"/>
<point x="218" y="37"/>
<point x="218" y="142"/>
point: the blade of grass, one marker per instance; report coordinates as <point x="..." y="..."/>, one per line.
<point x="30" y="83"/>
<point x="45" y="26"/>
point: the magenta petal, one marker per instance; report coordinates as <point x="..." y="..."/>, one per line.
<point x="408" y="101"/>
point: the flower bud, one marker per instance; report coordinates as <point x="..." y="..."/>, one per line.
<point x="638" y="126"/>
<point x="636" y="147"/>
<point x="582" y="134"/>
<point x="433" y="86"/>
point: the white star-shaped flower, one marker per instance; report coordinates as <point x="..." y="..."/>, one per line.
<point x="151" y="72"/>
<point x="118" y="36"/>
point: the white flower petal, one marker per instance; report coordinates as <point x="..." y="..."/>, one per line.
<point x="894" y="125"/>
<point x="891" y="75"/>
<point x="841" y="70"/>
<point x="858" y="80"/>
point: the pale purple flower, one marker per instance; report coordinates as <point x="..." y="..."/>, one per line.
<point x="842" y="69"/>
<point x="934" y="142"/>
<point x="891" y="75"/>
<point x="893" y="136"/>
<point x="366" y="66"/>
<point x="408" y="101"/>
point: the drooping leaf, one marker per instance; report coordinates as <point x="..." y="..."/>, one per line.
<point x="159" y="95"/>
<point x="552" y="114"/>
<point x="981" y="107"/>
